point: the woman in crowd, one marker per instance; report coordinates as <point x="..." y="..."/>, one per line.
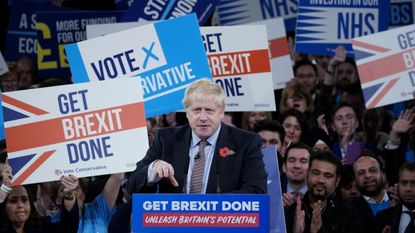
<point x="295" y="127"/>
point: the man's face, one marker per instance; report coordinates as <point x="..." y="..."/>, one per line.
<point x="307" y="77"/>
<point x="26" y="74"/>
<point x="204" y="117"/>
<point x="270" y="138"/>
<point x="296" y="167"/>
<point x="322" y="180"/>
<point x="368" y="176"/>
<point x="345" y="121"/>
<point x="406" y="188"/>
<point x="346" y="74"/>
<point x="349" y="191"/>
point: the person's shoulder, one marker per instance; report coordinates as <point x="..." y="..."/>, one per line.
<point x="387" y="212"/>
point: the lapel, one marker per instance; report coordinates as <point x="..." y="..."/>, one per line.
<point x="181" y="155"/>
<point x="217" y="169"/>
<point x="396" y="218"/>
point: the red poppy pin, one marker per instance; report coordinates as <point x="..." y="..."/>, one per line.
<point x="225" y="152"/>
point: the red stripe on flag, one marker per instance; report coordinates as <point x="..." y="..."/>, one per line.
<point x="239" y="63"/>
<point x="278" y="47"/>
<point x="369" y="46"/>
<point x="27" y="107"/>
<point x="385" y="66"/>
<point x="35" y="165"/>
<point x="383" y="93"/>
<point x="51" y="131"/>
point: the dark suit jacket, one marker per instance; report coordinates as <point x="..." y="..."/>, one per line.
<point x="337" y="217"/>
<point x="365" y="211"/>
<point x="242" y="172"/>
<point x="390" y="216"/>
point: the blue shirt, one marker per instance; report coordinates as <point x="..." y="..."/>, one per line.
<point x="96" y="216"/>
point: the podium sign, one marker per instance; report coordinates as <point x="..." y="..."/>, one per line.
<point x="200" y="213"/>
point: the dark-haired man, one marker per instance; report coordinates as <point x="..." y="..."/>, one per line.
<point x="370" y="181"/>
<point x="320" y="210"/>
<point x="295" y="167"/>
<point x="400" y="219"/>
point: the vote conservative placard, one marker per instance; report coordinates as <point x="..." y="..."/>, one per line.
<point x="55" y="29"/>
<point x="322" y="25"/>
<point x="164" y="60"/>
<point x="239" y="61"/>
<point x="386" y="65"/>
<point x="83" y="129"/>
<point x="200" y="213"/>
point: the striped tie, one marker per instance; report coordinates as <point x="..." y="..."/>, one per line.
<point x="198" y="169"/>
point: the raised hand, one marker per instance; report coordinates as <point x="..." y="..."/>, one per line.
<point x="403" y="123"/>
<point x="316" y="221"/>
<point x="7" y="175"/>
<point x="288" y="199"/>
<point x="299" y="219"/>
<point x="70" y="183"/>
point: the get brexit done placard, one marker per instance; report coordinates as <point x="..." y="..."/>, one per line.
<point x="165" y="56"/>
<point x="78" y="129"/>
<point x="386" y="65"/>
<point x="240" y="63"/>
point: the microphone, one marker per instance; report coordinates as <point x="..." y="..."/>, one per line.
<point x="197" y="156"/>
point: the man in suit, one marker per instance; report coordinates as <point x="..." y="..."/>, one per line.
<point x="400" y="219"/>
<point x="321" y="210"/>
<point x="229" y="159"/>
<point x="370" y="181"/>
<point x="295" y="167"/>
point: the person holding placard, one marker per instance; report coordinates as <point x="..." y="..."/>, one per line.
<point x="205" y="156"/>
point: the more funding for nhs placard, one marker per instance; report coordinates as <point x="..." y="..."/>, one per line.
<point x="82" y="129"/>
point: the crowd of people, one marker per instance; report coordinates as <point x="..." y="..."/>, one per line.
<point x="344" y="168"/>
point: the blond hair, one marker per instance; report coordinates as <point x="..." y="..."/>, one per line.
<point x="202" y="90"/>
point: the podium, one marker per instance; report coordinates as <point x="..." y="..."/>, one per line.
<point x="200" y="213"/>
